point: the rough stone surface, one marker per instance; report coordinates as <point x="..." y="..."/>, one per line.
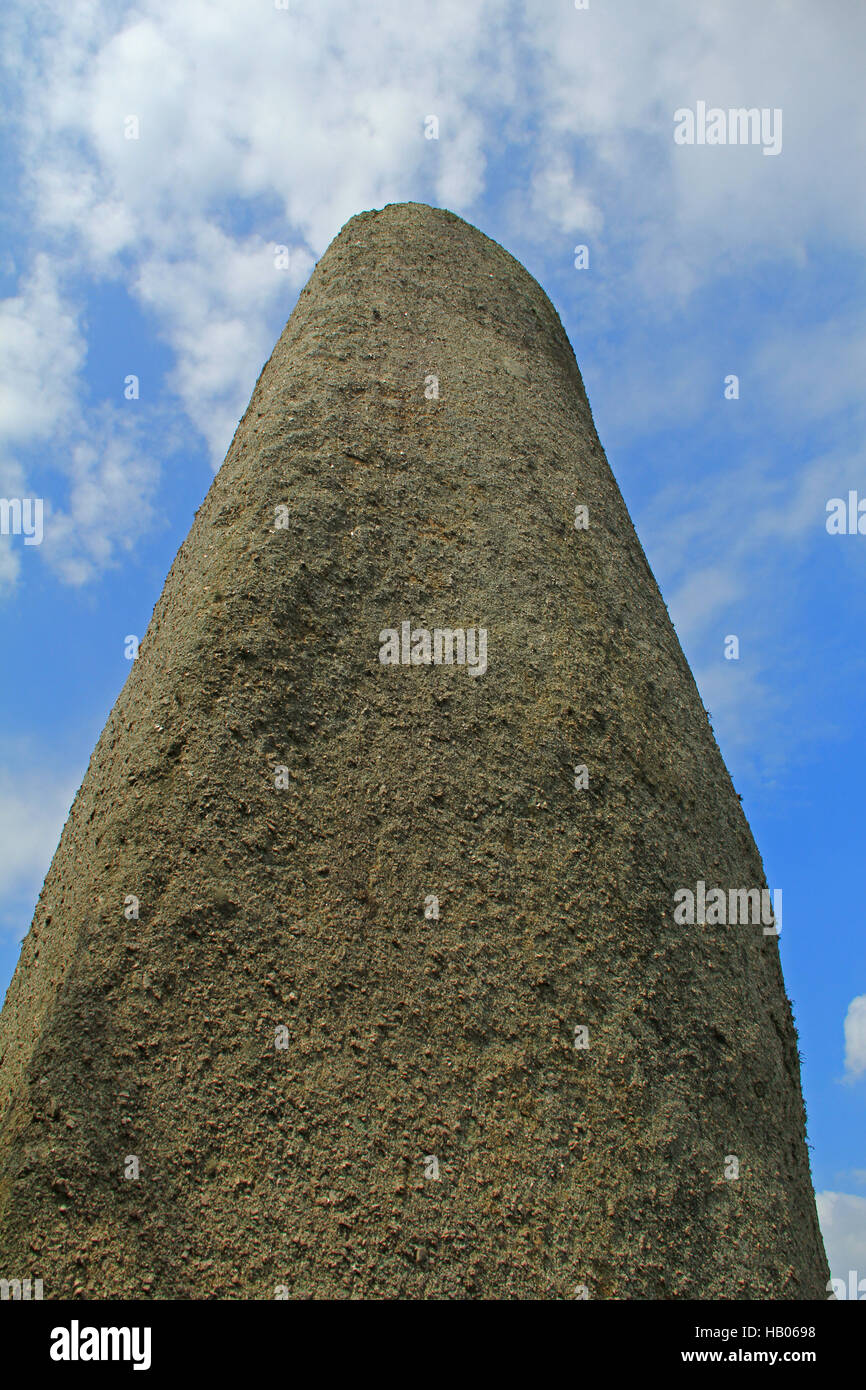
<point x="304" y="907"/>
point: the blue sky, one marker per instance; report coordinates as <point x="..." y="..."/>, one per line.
<point x="261" y="127"/>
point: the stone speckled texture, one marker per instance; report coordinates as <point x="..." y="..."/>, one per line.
<point x="303" y="907"/>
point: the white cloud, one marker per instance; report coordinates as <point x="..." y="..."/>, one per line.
<point x="94" y="456"/>
<point x="320" y="114"/>
<point x="213" y="302"/>
<point x="460" y="180"/>
<point x="855" y="1038"/>
<point x="322" y="108"/>
<point x="10" y="565"/>
<point x="42" y="350"/>
<point x="735" y="550"/>
<point x="842" y="1218"/>
<point x="112" y="482"/>
<point x="821" y="366"/>
<point x="559" y="197"/>
<point x="260" y="126"/>
<point x="34" y="804"/>
<point x="611" y="83"/>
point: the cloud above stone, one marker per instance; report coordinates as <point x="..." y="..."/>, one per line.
<point x="855" y="1038"/>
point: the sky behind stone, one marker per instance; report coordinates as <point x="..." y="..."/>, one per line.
<point x="259" y="127"/>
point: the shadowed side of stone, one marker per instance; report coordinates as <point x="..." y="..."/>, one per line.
<point x="304" y="1003"/>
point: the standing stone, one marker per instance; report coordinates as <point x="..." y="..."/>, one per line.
<point x="345" y="979"/>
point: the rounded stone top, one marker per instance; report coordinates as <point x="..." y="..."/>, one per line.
<point x="407" y="251"/>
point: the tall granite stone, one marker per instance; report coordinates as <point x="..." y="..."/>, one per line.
<point x="346" y="980"/>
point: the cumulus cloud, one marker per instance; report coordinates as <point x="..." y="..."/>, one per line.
<point x="34" y="804"/>
<point x="212" y="302"/>
<point x="42" y="350"/>
<point x="94" y="457"/>
<point x="320" y="111"/>
<point x="10" y="565"/>
<point x="112" y="480"/>
<point x="562" y="200"/>
<point x="35" y="797"/>
<point x="842" y="1218"/>
<point x="151" y="138"/>
<point x="855" y="1038"/>
<point x="254" y="127"/>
